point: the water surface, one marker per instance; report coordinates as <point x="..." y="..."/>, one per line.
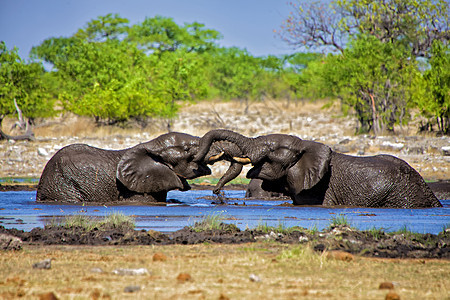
<point x="19" y="210"/>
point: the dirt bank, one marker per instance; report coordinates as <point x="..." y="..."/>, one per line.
<point x="373" y="243"/>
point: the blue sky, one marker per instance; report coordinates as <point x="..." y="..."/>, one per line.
<point x="247" y="24"/>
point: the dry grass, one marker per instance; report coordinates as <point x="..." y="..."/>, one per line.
<point x="216" y="272"/>
<point x="248" y="117"/>
<point x="194" y="118"/>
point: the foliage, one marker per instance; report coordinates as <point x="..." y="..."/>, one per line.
<point x="111" y="79"/>
<point x="432" y="93"/>
<point x="160" y="34"/>
<point x="413" y="23"/>
<point x="376" y="233"/>
<point x="117" y="220"/>
<point x="24" y="82"/>
<point x="104" y="80"/>
<point x="108" y="27"/>
<point x="331" y="24"/>
<point x="234" y="73"/>
<point x="375" y="72"/>
<point x="375" y="80"/>
<point x="115" y="71"/>
<point x="280" y="228"/>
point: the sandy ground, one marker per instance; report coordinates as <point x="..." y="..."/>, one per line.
<point x="247" y="271"/>
<point x="428" y="154"/>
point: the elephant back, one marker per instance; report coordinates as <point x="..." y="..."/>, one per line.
<point x="81" y="173"/>
<point x="377" y="181"/>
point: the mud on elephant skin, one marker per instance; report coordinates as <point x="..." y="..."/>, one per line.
<point x="143" y="173"/>
<point x="311" y="173"/>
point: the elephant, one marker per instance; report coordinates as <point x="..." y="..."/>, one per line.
<point x="143" y="173"/>
<point x="312" y="174"/>
<point x="255" y="190"/>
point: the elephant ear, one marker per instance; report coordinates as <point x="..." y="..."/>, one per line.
<point x="313" y="164"/>
<point x="141" y="171"/>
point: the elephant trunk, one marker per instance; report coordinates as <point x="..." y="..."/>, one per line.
<point x="243" y="142"/>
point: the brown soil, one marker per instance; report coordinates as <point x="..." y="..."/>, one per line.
<point x="364" y="243"/>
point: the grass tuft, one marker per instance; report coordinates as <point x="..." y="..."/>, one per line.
<point x="211" y="222"/>
<point x="280" y="228"/>
<point x="339" y="220"/>
<point x="376" y="233"/>
<point x="118" y="220"/>
<point x="89" y="223"/>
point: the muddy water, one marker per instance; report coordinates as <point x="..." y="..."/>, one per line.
<point x="19" y="210"/>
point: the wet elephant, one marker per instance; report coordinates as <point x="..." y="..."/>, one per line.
<point x="143" y="173"/>
<point x="255" y="189"/>
<point x="311" y="173"/>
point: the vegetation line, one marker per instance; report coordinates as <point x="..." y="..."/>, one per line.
<point x="382" y="66"/>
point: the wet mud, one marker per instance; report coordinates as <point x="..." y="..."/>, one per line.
<point x="373" y="243"/>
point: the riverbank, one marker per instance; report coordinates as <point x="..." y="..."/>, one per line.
<point x="198" y="262"/>
<point x="339" y="235"/>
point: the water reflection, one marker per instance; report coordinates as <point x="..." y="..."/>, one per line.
<point x="19" y="210"/>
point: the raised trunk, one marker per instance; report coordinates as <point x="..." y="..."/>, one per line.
<point x="243" y="142"/>
<point x="233" y="171"/>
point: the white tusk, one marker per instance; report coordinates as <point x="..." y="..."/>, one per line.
<point x="242" y="160"/>
<point x="215" y="157"/>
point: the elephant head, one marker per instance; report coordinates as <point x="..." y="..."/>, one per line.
<point x="161" y="164"/>
<point x="275" y="156"/>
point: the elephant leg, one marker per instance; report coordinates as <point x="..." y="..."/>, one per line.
<point x="233" y="171"/>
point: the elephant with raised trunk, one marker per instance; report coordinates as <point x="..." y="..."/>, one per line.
<point x="143" y="173"/>
<point x="312" y="174"/>
<point x="224" y="150"/>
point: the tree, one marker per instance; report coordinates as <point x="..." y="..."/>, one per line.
<point x="377" y="43"/>
<point x="234" y="74"/>
<point x="432" y="94"/>
<point x="109" y="27"/>
<point x="101" y="73"/>
<point x="161" y="34"/>
<point x="414" y="23"/>
<point x="22" y="90"/>
<point x="315" y="25"/>
<point x="175" y="77"/>
<point x="331" y="25"/>
<point x="375" y="80"/>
